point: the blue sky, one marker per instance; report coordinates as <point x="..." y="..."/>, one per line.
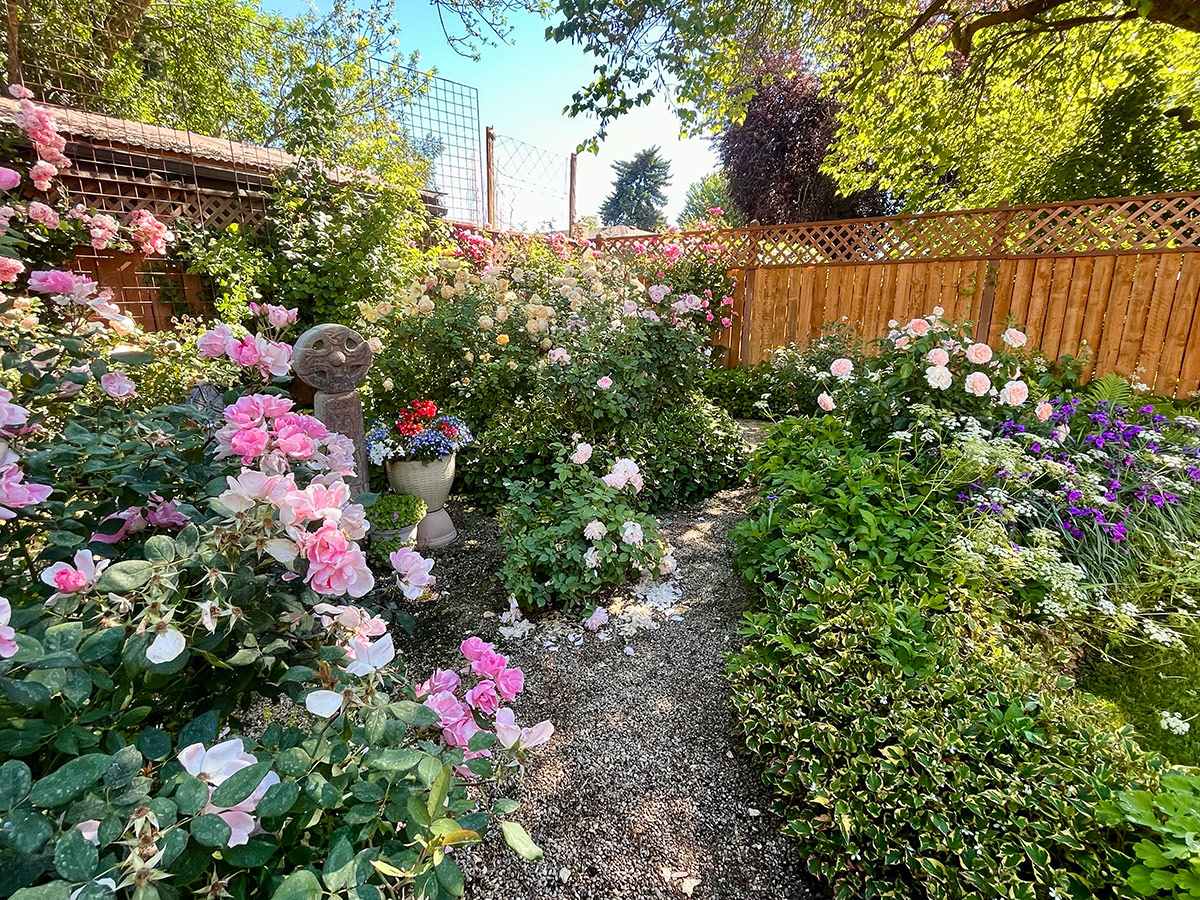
<point x="523" y="88"/>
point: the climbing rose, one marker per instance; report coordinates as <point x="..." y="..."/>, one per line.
<point x="10" y="269"/>
<point x="42" y="174"/>
<point x="9" y="178"/>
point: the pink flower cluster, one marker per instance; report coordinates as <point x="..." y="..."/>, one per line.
<point x="41" y="127"/>
<point x="101" y="227"/>
<point x="262" y="429"/>
<point x="275" y="316"/>
<point x="72" y="289"/>
<point x="251" y="352"/>
<point x="151" y="235"/>
<point x="625" y="473"/>
<point x="495" y="684"/>
<point x="412" y="570"/>
<point x="157" y="513"/>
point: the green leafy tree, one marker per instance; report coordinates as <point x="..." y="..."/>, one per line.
<point x="706" y="194"/>
<point x="943" y="103"/>
<point x="639" y="191"/>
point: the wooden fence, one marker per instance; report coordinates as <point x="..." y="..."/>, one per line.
<point x="1119" y="275"/>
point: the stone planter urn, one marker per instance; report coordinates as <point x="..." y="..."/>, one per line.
<point x="430" y="480"/>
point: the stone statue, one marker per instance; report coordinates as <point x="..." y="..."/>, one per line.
<point x="334" y="360"/>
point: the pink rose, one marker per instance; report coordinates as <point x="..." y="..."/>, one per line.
<point x="44" y="215"/>
<point x="249" y="443"/>
<point x="244" y="352"/>
<point x="938" y="357"/>
<point x="336" y="565"/>
<point x="118" y="385"/>
<point x="474" y="648"/>
<point x="42" y="174"/>
<point x="490" y="664"/>
<point x="939" y="377"/>
<point x="509" y="683"/>
<point x="213" y="342"/>
<point x="10" y="269"/>
<point x="1014" y="393"/>
<point x="917" y="327"/>
<point x="441" y="681"/>
<point x="604" y="382"/>
<point x="978" y="384"/>
<point x="459" y="733"/>
<point x="726" y="321"/>
<point x="583" y="452"/>
<point x="9" y="178"/>
<point x="1044" y="411"/>
<point x="484" y="698"/>
<point x="826" y="402"/>
<point x="979" y="354"/>
<point x="54" y="281"/>
<point x="448" y="708"/>
<point x="841" y="368"/>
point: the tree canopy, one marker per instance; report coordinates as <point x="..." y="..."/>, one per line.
<point x="639" y="191"/>
<point x="706" y="194"/>
<point x="944" y="103"/>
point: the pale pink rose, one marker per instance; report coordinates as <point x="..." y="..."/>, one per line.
<point x="583" y="452"/>
<point x="1014" y="393"/>
<point x="917" y="327"/>
<point x="90" y="831"/>
<point x="938" y="357"/>
<point x="8" y="642"/>
<point x="977" y="383"/>
<point x="841" y="368"/>
<point x="44" y="215"/>
<point x="667" y="565"/>
<point x="938" y="312"/>
<point x="167" y="515"/>
<point x="20" y="92"/>
<point x="281" y="317"/>
<point x="484" y="697"/>
<point x="54" y="281"/>
<point x="370" y="657"/>
<point x="559" y="355"/>
<point x="473" y="648"/>
<point x="15" y="492"/>
<point x="118" y="385"/>
<point x="213" y="342"/>
<point x="10" y="269"/>
<point x="71" y="579"/>
<point x="591" y="558"/>
<point x="253" y="487"/>
<point x="509" y="683"/>
<point x="604" y="382"/>
<point x="826" y="402"/>
<point x="979" y="354"/>
<point x="631" y="533"/>
<point x="1061" y="432"/>
<point x="595" y="530"/>
<point x="1044" y="411"/>
<point x="9" y="178"/>
<point x="413" y="570"/>
<point x="1014" y="338"/>
<point x="902" y="342"/>
<point x="939" y="377"/>
<point x="11" y="414"/>
<point x="42" y="174"/>
<point x="460" y="733"/>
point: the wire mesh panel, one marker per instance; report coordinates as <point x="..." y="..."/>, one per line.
<point x="531" y="187"/>
<point x="444" y="120"/>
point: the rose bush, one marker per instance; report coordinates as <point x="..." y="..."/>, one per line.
<point x="162" y="567"/>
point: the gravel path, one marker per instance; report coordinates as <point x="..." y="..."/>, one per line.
<point x="642" y="793"/>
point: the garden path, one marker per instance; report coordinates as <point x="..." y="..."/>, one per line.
<point x="642" y="793"/>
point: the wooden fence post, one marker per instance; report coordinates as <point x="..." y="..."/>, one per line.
<point x="987" y="299"/>
<point x="571" y="196"/>
<point x="748" y="285"/>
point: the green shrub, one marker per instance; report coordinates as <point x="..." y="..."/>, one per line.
<point x="572" y="535"/>
<point x="742" y="391"/>
<point x="390" y="513"/>
<point x="919" y="743"/>
<point x="1167" y="858"/>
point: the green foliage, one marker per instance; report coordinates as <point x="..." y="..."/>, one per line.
<point x="742" y="391"/>
<point x="1166" y="859"/>
<point x="943" y="105"/>
<point x="392" y="511"/>
<point x="325" y="248"/>
<point x="904" y="723"/>
<point x="709" y="193"/>
<point x="638" y="193"/>
<point x="549" y="561"/>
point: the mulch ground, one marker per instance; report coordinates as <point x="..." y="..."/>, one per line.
<point x="643" y="792"/>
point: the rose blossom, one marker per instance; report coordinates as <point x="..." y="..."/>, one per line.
<point x="509" y="683"/>
<point x="979" y="354"/>
<point x="42" y="174"/>
<point x="978" y="383"/>
<point x="826" y="402"/>
<point x="841" y="368"/>
<point x="938" y="357"/>
<point x="54" y="281"/>
<point x="1044" y="411"/>
<point x="449" y="709"/>
<point x="9" y="178"/>
<point x="71" y="579"/>
<point x="8" y="643"/>
<point x="413" y="571"/>
<point x="474" y="647"/>
<point x="441" y="681"/>
<point x="1014" y="393"/>
<point x="10" y="269"/>
<point x="490" y="664"/>
<point x="583" y="452"/>
<point x="939" y="377"/>
<point x="917" y="328"/>
<point x="118" y="385"/>
<point x="336" y="564"/>
<point x="44" y="215"/>
<point x="631" y="533"/>
<point x="484" y="697"/>
<point x="595" y="530"/>
<point x="1014" y="338"/>
<point x="604" y="382"/>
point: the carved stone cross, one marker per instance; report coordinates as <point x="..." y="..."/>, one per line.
<point x="334" y="360"/>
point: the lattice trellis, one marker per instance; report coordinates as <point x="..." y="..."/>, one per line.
<point x="1121" y="225"/>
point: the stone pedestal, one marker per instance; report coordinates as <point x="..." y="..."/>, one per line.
<point x="334" y="360"/>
